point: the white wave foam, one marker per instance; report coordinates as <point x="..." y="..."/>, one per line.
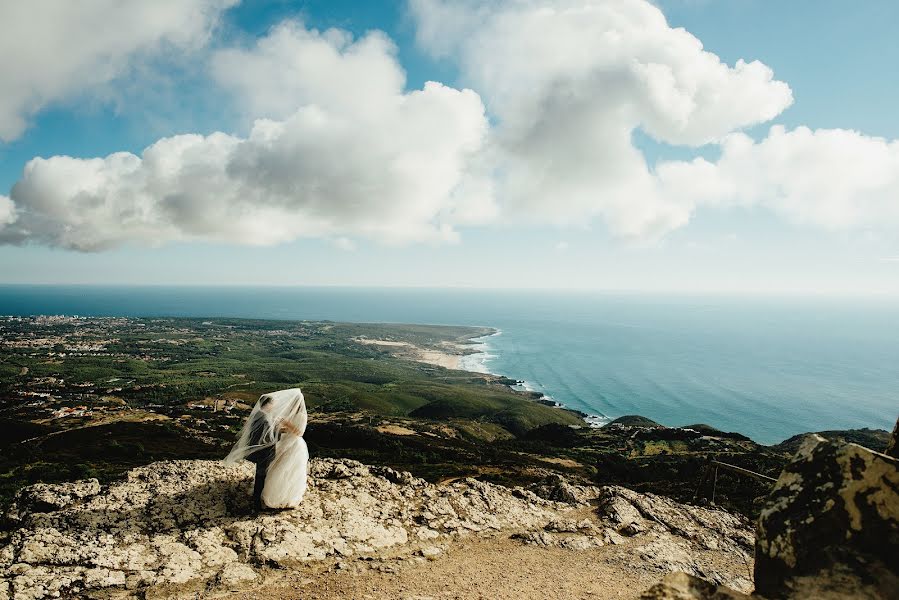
<point x="477" y="363"/>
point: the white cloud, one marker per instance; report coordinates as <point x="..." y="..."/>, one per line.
<point x="570" y="81"/>
<point x="830" y="178"/>
<point x="7" y="211"/>
<point x="294" y="66"/>
<point x="55" y="49"/>
<point x="385" y="164"/>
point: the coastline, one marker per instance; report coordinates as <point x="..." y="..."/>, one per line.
<point x="476" y="362"/>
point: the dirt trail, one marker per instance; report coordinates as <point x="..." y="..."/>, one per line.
<point x="497" y="568"/>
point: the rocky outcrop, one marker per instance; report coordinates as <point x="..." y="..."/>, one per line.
<point x="833" y="516"/>
<point x="188" y="523"/>
<point x="675" y="537"/>
<point x="174" y="527"/>
<point x="681" y="586"/>
<point x="830" y="530"/>
<point x="892" y="448"/>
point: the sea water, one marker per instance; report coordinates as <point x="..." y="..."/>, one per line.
<point x="766" y="367"/>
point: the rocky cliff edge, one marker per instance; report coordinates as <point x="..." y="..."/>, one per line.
<point x="178" y="527"/>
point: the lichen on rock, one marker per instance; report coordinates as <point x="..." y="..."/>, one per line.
<point x="833" y="515"/>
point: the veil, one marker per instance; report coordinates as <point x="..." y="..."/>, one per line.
<point x="263" y="424"/>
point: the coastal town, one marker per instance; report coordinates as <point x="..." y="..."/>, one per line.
<point x="68" y="371"/>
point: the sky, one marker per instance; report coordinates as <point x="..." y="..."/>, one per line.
<point x="745" y="146"/>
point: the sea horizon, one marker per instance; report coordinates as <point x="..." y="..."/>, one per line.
<point x="767" y="367"/>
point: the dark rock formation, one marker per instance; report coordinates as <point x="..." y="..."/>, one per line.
<point x="832" y="517"/>
<point x="892" y="448"/>
<point x="830" y="530"/>
<point x="680" y="586"/>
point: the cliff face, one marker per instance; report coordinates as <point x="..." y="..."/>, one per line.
<point x="172" y="527"/>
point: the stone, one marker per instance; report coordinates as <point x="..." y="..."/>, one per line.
<point x="610" y="536"/>
<point x="892" y="448"/>
<point x="633" y="528"/>
<point x="673" y="537"/>
<point x="237" y="574"/>
<point x="634" y="513"/>
<point x="556" y="488"/>
<point x="48" y="497"/>
<point x="681" y="586"/>
<point x="181" y="526"/>
<point x="831" y="521"/>
<point x="431" y="551"/>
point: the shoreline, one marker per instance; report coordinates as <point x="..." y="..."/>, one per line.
<point x="476" y="362"/>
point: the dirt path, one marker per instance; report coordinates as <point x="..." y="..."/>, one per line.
<point x="497" y="568"/>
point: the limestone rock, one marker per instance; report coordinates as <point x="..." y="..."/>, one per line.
<point x="237" y="573"/>
<point x="47" y="497"/>
<point x="672" y="537"/>
<point x="681" y="586"/>
<point x="189" y="523"/>
<point x="554" y="487"/>
<point x="832" y="521"/>
<point x="711" y="529"/>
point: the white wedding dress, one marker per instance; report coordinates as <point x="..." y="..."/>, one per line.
<point x="285" y="479"/>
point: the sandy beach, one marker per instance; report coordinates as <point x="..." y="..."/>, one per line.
<point x="450" y="358"/>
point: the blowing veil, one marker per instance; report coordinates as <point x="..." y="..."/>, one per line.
<point x="265" y="420"/>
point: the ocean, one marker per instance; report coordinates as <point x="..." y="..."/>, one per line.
<point x="766" y="367"/>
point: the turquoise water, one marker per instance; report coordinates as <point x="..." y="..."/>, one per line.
<point x="769" y="368"/>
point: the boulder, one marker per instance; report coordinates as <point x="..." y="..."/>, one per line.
<point x="47" y="497"/>
<point x="892" y="448"/>
<point x="681" y="586"/>
<point x="556" y="488"/>
<point x="708" y="528"/>
<point x="831" y="525"/>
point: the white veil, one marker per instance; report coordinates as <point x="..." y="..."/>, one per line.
<point x="264" y="422"/>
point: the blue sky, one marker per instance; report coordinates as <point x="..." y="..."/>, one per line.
<point x="585" y="225"/>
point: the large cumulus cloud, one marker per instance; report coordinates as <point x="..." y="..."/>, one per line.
<point x="570" y="81"/>
<point x="53" y="49"/>
<point x="381" y="163"/>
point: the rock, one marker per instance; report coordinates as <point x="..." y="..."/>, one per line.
<point x="669" y="555"/>
<point x="633" y="528"/>
<point x="675" y="537"/>
<point x="681" y="586"/>
<point x="632" y="513"/>
<point x="892" y="448"/>
<point x="832" y="521"/>
<point x="552" y="540"/>
<point x="431" y="551"/>
<point x="48" y="497"/>
<point x="556" y="488"/>
<point x="610" y="536"/>
<point x="189" y="524"/>
<point x="236" y="574"/>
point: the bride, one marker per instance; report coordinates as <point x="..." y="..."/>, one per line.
<point x="272" y="437"/>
